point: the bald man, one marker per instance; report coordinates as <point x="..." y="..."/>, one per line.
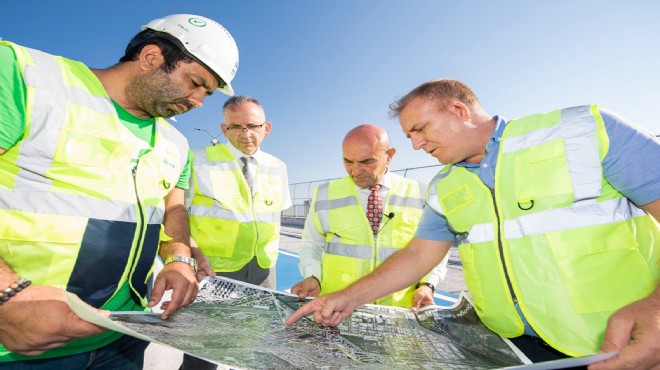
<point x="556" y="215"/>
<point x="356" y="222"/>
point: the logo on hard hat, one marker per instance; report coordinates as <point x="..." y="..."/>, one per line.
<point x="197" y="22"/>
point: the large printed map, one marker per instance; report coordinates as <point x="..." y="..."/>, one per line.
<point x="242" y="326"/>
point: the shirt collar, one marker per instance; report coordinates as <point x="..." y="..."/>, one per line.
<point x="500" y="125"/>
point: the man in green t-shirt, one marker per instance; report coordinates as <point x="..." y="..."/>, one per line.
<point x="92" y="182"/>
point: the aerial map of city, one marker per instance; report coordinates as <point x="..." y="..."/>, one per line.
<point x="242" y="326"/>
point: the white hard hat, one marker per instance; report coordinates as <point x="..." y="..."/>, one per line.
<point x="206" y="40"/>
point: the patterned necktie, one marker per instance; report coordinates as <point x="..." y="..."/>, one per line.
<point x="246" y="171"/>
<point x="374" y="208"/>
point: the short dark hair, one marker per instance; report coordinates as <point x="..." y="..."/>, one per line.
<point x="172" y="53"/>
<point x="440" y="91"/>
<point x="237" y="100"/>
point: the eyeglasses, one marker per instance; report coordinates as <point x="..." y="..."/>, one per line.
<point x="239" y="128"/>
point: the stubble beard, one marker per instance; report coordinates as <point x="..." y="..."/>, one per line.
<point x="153" y="93"/>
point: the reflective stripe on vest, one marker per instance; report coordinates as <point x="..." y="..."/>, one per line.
<point x="228" y="223"/>
<point x="68" y="190"/>
<point x="221" y="213"/>
<point x="351" y="251"/>
<point x="578" y="215"/>
<point x="569" y="237"/>
<point x="358" y="251"/>
<point x="558" y="219"/>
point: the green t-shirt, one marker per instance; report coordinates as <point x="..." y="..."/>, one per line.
<point x="12" y="111"/>
<point x="12" y="128"/>
<point x="12" y="99"/>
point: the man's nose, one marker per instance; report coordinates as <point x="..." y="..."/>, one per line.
<point x="197" y="98"/>
<point x="417" y="141"/>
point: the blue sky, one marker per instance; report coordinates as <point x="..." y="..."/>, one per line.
<point x="321" y="68"/>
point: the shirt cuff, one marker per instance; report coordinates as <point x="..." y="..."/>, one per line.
<point x="312" y="271"/>
<point x="432" y="278"/>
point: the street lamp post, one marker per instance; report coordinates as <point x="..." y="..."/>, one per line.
<point x="214" y="139"/>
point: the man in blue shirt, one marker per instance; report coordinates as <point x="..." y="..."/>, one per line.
<point x="579" y="174"/>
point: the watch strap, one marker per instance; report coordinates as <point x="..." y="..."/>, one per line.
<point x="425" y="283"/>
<point x="191" y="261"/>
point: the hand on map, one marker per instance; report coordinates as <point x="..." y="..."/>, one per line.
<point x="308" y="287"/>
<point x="39" y="319"/>
<point x="180" y="279"/>
<point x="329" y="309"/>
<point x="423" y="297"/>
<point x="634" y="331"/>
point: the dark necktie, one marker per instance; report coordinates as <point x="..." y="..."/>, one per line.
<point x="374" y="208"/>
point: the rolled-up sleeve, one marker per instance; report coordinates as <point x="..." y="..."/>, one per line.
<point x="632" y="162"/>
<point x="433" y="226"/>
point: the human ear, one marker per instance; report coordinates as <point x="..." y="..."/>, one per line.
<point x="461" y="110"/>
<point x="267" y="127"/>
<point x="151" y="57"/>
<point x="390" y="153"/>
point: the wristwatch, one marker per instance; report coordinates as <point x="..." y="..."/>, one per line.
<point x="184" y="259"/>
<point x="427" y="284"/>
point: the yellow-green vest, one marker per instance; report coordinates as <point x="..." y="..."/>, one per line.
<point x="351" y="250"/>
<point x="229" y="224"/>
<point x="556" y="234"/>
<point x="79" y="211"/>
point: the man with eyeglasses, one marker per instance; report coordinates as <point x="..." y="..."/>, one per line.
<point x="235" y="199"/>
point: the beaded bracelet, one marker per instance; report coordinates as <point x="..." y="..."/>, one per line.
<point x="14" y="288"/>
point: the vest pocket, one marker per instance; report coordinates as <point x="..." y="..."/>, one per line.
<point x="87" y="150"/>
<point x="597" y="265"/>
<point x="270" y="198"/>
<point x="271" y="190"/>
<point x="213" y="239"/>
<point x="31" y="244"/>
<point x="542" y="172"/>
<point x="224" y="187"/>
<point x="339" y="272"/>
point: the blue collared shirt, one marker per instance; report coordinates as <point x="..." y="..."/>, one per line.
<point x="631" y="165"/>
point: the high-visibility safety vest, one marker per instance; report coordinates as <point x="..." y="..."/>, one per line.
<point x="79" y="211"/>
<point x="229" y="224"/>
<point x="351" y="250"/>
<point x="556" y="237"/>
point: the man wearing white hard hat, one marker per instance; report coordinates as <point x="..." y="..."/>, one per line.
<point x="92" y="179"/>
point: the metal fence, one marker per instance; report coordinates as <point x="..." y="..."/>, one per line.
<point x="302" y="192"/>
